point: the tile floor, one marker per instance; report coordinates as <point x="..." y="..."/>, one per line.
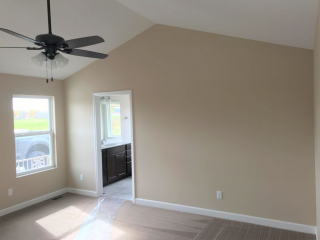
<point x="121" y="189"/>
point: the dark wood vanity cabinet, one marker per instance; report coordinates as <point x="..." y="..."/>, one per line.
<point x="121" y="166"/>
<point x="104" y="170"/>
<point x="128" y="159"/>
<point x="111" y="167"/>
<point x="115" y="164"/>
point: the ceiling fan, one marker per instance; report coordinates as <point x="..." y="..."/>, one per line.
<point x="52" y="45"/>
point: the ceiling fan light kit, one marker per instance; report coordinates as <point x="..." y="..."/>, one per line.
<point x="39" y="59"/>
<point x="61" y="60"/>
<point x="53" y="45"/>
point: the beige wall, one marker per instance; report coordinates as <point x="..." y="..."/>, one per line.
<point x="210" y="113"/>
<point x="36" y="185"/>
<point x="316" y="56"/>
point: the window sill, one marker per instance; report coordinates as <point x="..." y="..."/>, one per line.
<point x="35" y="172"/>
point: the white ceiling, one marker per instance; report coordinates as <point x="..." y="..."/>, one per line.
<point x="70" y="19"/>
<point x="286" y="22"/>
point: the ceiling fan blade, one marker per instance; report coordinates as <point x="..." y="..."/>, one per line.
<point x="28" y="48"/>
<point x="85" y="53"/>
<point x="21" y="36"/>
<point x="83" y="42"/>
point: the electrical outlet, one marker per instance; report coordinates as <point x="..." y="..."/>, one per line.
<point x="10" y="192"/>
<point x="219" y="195"/>
<point x="81" y="177"/>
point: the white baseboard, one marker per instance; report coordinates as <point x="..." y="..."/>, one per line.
<point x="31" y="202"/>
<point x="46" y="197"/>
<point x="175" y="207"/>
<point x="82" y="192"/>
<point x="229" y="216"/>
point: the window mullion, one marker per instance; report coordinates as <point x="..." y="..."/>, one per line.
<point x="32" y="134"/>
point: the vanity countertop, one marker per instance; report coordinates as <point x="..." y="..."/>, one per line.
<point x="110" y="145"/>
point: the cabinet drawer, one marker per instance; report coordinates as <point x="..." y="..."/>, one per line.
<point x="115" y="150"/>
<point x="128" y="152"/>
<point x="128" y="147"/>
<point x="129" y="169"/>
<point x="128" y="159"/>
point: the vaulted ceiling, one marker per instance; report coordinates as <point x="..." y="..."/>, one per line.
<point x="286" y="22"/>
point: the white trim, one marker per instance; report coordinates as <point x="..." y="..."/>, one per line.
<point x="229" y="216"/>
<point x="132" y="151"/>
<point x="113" y="93"/>
<point x="51" y="131"/>
<point x="82" y="192"/>
<point x="32" y="202"/>
<point x="97" y="139"/>
<point x="39" y="170"/>
<point x="46" y="197"/>
<point x="97" y="144"/>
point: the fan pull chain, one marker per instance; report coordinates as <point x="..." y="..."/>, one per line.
<point x="51" y="72"/>
<point x="47" y="69"/>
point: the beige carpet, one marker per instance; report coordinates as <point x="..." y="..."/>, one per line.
<point x="135" y="222"/>
<point x="59" y="219"/>
<point x="220" y="229"/>
<point x="138" y="222"/>
<point x="75" y="217"/>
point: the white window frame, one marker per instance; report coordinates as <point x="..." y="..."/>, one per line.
<point x="105" y="117"/>
<point x="109" y="120"/>
<point x="50" y="132"/>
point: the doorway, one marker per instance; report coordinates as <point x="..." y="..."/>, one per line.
<point x="114" y="145"/>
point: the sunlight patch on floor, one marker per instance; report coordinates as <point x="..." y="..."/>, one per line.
<point x="100" y="230"/>
<point x="61" y="222"/>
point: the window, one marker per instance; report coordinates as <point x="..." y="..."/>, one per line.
<point x="110" y="119"/>
<point x="34" y="133"/>
<point x="114" y="119"/>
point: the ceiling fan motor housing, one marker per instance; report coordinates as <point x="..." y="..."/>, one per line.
<point x="49" y="39"/>
<point x="51" y="42"/>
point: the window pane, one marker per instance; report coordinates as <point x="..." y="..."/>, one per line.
<point x="115" y="119"/>
<point x="30" y="114"/>
<point x="33" y="152"/>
